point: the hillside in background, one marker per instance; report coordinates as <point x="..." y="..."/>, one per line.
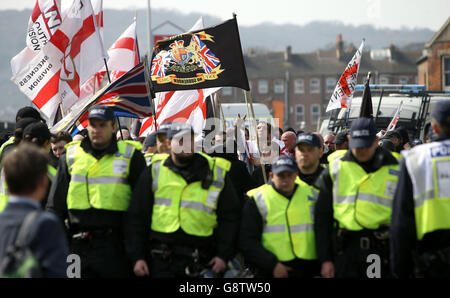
<point x="267" y="37"/>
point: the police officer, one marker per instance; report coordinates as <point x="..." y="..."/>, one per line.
<point x="356" y="191"/>
<point x="308" y="152"/>
<point x="420" y="228"/>
<point x="277" y="236"/>
<point x="149" y="147"/>
<point x="25" y="112"/>
<point x="94" y="182"/>
<point x="185" y="204"/>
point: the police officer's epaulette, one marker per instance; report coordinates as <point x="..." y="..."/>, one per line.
<point x="136" y="144"/>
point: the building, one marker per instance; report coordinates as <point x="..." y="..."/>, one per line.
<point x="433" y="67"/>
<point x="306" y="81"/>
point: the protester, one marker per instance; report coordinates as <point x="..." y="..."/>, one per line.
<point x="59" y="142"/>
<point x="329" y="140"/>
<point x="341" y="141"/>
<point x="395" y="138"/>
<point x="46" y="239"/>
<point x="124" y="134"/>
<point x="289" y="139"/>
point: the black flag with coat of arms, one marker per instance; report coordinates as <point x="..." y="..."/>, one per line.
<point x="206" y="58"/>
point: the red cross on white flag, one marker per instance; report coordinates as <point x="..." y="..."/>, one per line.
<point x="72" y="55"/>
<point x="343" y="93"/>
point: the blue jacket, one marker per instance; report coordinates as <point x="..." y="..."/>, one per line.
<point x="47" y="239"/>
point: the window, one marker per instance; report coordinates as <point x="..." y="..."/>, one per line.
<point x="299" y="114"/>
<point x="263" y="87"/>
<point x="331" y="84"/>
<point x="226" y="91"/>
<point x="278" y="86"/>
<point x="403" y="80"/>
<point x="384" y="80"/>
<point x="315" y="113"/>
<point x="446" y="73"/>
<point x="314" y="86"/>
<point x="299" y="86"/>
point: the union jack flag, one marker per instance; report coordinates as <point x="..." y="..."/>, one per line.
<point x="159" y="63"/>
<point x="128" y="96"/>
<point x="208" y="60"/>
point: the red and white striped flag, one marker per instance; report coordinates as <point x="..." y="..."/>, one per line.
<point x="394" y="120"/>
<point x="73" y="54"/>
<point x="343" y="93"/>
<point x="43" y="23"/>
<point x="123" y="56"/>
<point x="179" y="106"/>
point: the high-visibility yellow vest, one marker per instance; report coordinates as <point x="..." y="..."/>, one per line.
<point x="362" y="200"/>
<point x="8" y="142"/>
<point x="100" y="184"/>
<point x="4" y="194"/>
<point x="288" y="224"/>
<point x="336" y="154"/>
<point x="148" y="158"/>
<point x="189" y="206"/>
<point x="397" y="155"/>
<point x="428" y="166"/>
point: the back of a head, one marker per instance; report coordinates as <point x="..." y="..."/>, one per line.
<point x="28" y="112"/>
<point x="37" y="133"/>
<point x="24" y="168"/>
<point x="20" y="127"/>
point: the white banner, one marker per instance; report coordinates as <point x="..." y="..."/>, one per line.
<point x="44" y="21"/>
<point x="343" y="93"/>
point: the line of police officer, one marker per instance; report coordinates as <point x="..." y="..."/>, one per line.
<point x="181" y="216"/>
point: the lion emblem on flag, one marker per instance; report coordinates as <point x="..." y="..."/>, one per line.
<point x="181" y="58"/>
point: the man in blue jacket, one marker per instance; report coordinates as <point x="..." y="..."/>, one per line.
<point x="26" y="175"/>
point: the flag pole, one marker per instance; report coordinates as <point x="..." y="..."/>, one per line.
<point x="109" y="80"/>
<point x="148" y="80"/>
<point x="249" y="95"/>
<point x="224" y="124"/>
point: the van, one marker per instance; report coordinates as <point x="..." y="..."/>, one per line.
<point x="415" y="115"/>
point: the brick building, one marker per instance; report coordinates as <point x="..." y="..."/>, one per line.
<point x="433" y="67"/>
<point x="310" y="78"/>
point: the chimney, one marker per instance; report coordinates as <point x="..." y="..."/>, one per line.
<point x="339" y="47"/>
<point x="288" y="54"/>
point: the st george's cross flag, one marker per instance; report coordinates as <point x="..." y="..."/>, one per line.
<point x="343" y="93"/>
<point x="72" y="55"/>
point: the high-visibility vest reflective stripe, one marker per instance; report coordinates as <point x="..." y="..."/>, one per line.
<point x="51" y="173"/>
<point x="3" y="191"/>
<point x="397" y="155"/>
<point x="336" y="154"/>
<point x="4" y="194"/>
<point x="362" y="200"/>
<point x="101" y="184"/>
<point x="288" y="224"/>
<point x="5" y="144"/>
<point x="189" y="206"/>
<point x="428" y="166"/>
<point x="148" y="158"/>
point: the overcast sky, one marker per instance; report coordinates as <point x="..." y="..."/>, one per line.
<point x="393" y="14"/>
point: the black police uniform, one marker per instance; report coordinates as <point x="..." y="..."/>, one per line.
<point x="98" y="233"/>
<point x="345" y="250"/>
<point x="410" y="258"/>
<point x="179" y="254"/>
